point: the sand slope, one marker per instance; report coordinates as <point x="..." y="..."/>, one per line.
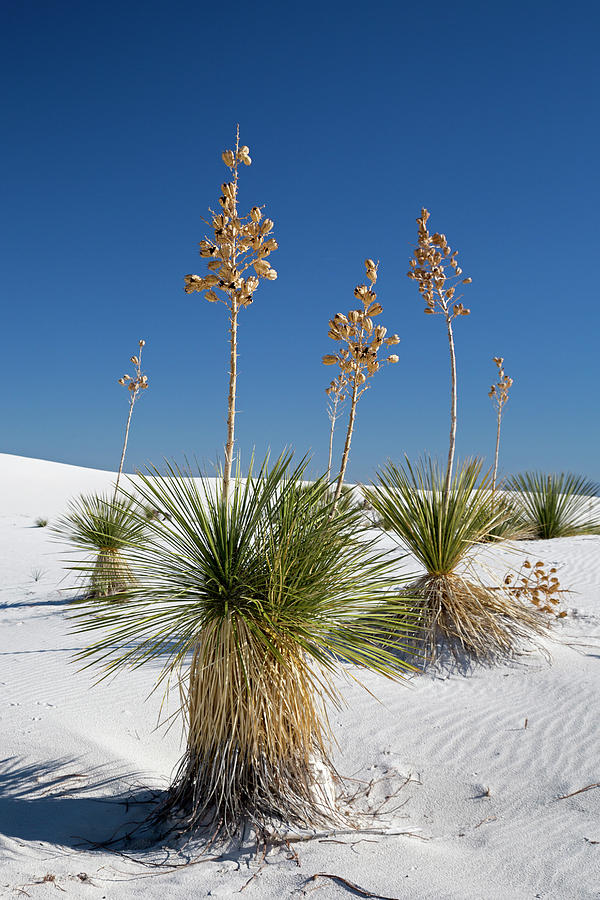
<point x="483" y="793"/>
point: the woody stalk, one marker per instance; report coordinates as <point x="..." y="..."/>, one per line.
<point x="237" y="252"/>
<point x="135" y="384"/>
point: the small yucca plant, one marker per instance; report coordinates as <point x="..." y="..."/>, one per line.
<point x="105" y="529"/>
<point x="556" y="505"/>
<point x="251" y="605"/>
<point x="439" y="525"/>
<point x="359" y="359"/>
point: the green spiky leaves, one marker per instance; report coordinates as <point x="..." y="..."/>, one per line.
<point x="556" y="505"/>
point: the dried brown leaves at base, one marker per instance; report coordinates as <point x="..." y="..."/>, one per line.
<point x="268" y="728"/>
<point x="472" y="620"/>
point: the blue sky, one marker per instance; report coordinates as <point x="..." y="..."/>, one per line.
<point x="115" y="116"/>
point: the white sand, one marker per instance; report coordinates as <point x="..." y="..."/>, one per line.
<point x="68" y="746"/>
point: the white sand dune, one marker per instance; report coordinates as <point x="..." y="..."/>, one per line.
<point x="483" y="796"/>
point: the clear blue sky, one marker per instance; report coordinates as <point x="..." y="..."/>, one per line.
<point x="114" y="119"/>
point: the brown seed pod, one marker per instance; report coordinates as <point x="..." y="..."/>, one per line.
<point x="228" y="158"/>
<point x="228" y="189"/>
<point x="211" y="297"/>
<point x="330" y="360"/>
<point x="261" y="266"/>
<point x="374" y="309"/>
<point x="207" y="249"/>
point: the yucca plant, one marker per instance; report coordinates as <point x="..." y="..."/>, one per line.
<point x="105" y="529"/>
<point x="556" y="505"/>
<point x="252" y="606"/>
<point x="439" y="525"/>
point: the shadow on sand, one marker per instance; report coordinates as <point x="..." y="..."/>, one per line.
<point x="62" y="802"/>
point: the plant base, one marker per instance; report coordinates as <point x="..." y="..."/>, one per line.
<point x="111" y="575"/>
<point x="262" y="798"/>
<point x="476" y="623"/>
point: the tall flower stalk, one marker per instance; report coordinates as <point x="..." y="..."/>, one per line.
<point x="236" y="245"/>
<point x="135" y="385"/>
<point x="358" y="360"/>
<point x="435" y="269"/>
<point x="337" y="395"/>
<point x="499" y="396"/>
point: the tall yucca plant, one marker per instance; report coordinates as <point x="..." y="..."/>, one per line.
<point x="252" y="605"/>
<point x="556" y="505"/>
<point x="103" y="529"/>
<point x="439" y="525"/>
<point x="237" y="252"/>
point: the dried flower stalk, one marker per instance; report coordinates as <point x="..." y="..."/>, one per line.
<point x="337" y="393"/>
<point x="542" y="588"/>
<point x="237" y="244"/>
<point x="358" y="360"/>
<point x="499" y="396"/>
<point x="437" y="285"/>
<point x="135" y="385"/>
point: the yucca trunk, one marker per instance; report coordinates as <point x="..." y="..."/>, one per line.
<point x="111" y="574"/>
<point x="253" y="734"/>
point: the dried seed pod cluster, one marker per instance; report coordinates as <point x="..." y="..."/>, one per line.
<point x="435" y="269"/>
<point x="338" y="388"/>
<point x="499" y="391"/>
<point x="359" y="359"/>
<point x="137" y="382"/>
<point x="238" y="244"/>
<point x="538" y="585"/>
